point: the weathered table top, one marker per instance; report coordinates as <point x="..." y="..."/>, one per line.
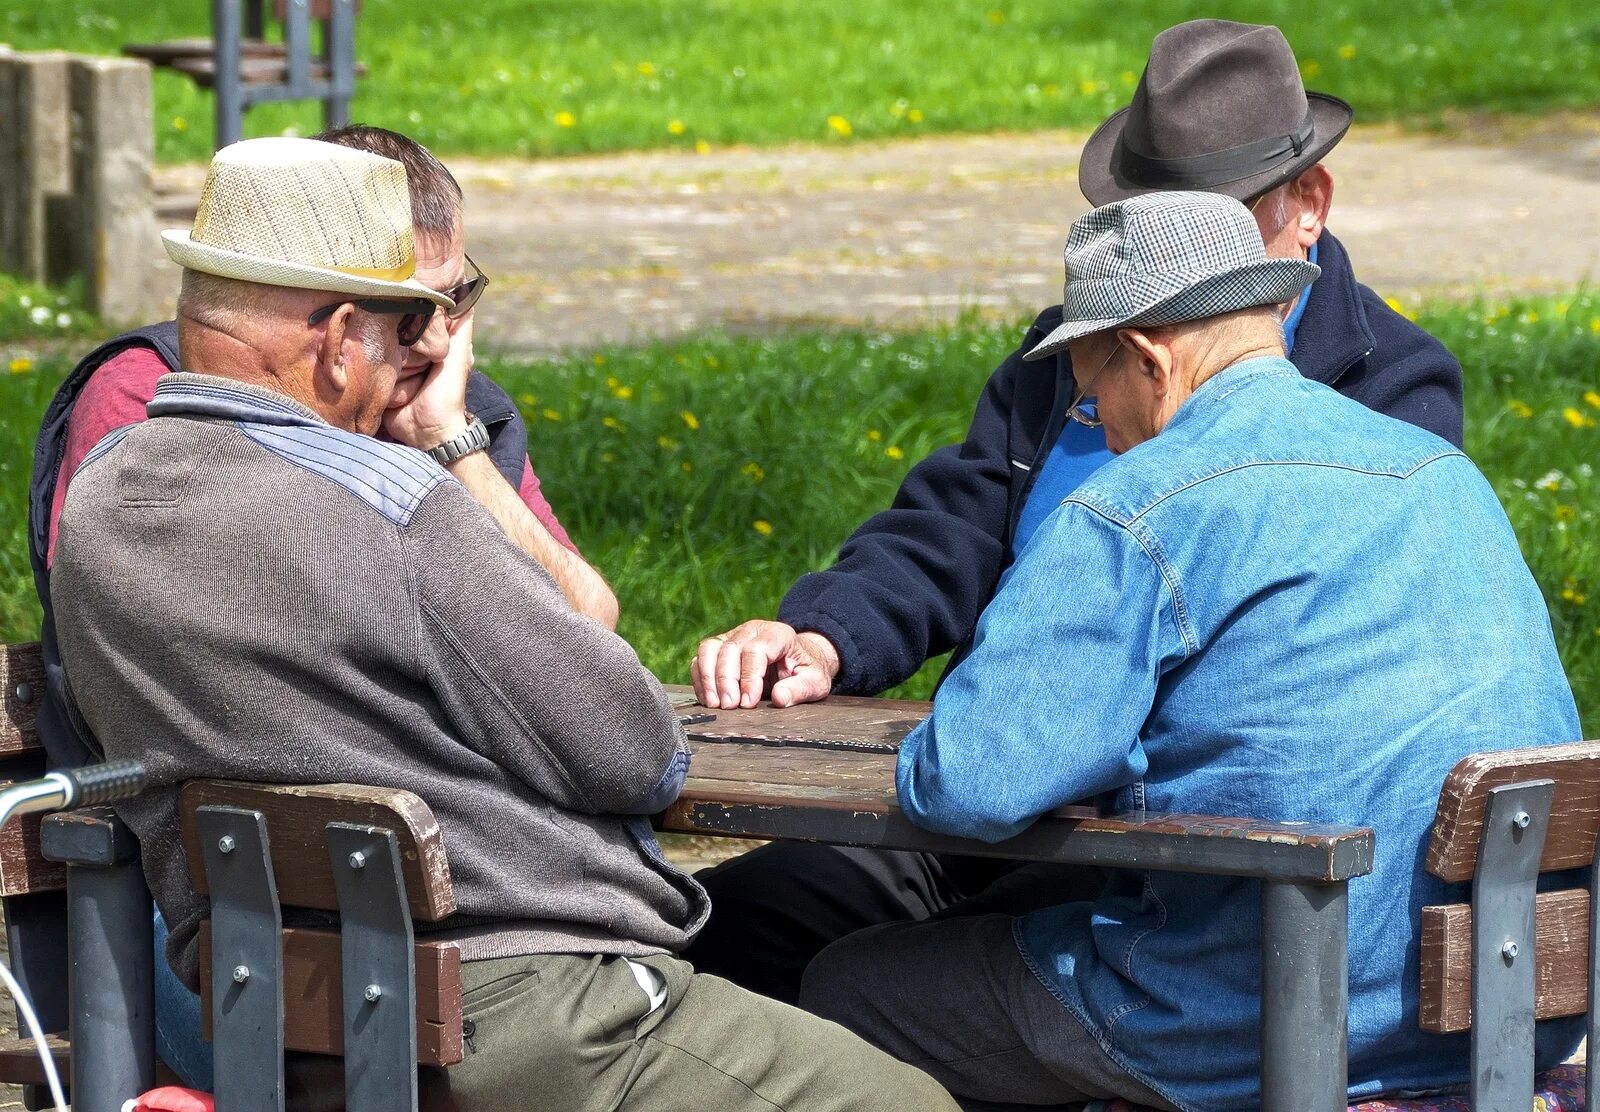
<point x="824" y="772"/>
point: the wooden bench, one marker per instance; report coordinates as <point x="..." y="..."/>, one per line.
<point x="367" y="990"/>
<point x="244" y="68"/>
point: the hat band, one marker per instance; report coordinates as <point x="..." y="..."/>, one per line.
<point x="382" y="273"/>
<point x="1202" y="171"/>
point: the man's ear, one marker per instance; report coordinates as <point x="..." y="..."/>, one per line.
<point x="332" y="376"/>
<point x="1154" y="355"/>
<point x="1313" y="194"/>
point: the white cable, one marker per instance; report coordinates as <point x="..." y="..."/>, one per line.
<point x="32" y="1020"/>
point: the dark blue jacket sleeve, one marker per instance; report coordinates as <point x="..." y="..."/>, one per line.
<point x="910" y="582"/>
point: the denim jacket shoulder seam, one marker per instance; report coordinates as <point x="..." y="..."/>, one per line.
<point x="1151" y="547"/>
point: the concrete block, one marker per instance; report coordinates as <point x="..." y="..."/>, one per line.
<point x="113" y="154"/>
<point x="35" y="124"/>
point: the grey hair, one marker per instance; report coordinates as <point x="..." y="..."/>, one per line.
<point x="221" y="302"/>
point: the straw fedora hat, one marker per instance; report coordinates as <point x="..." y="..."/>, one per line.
<point x="307" y="215"/>
<point x="1220" y="107"/>
<point x="1167" y="258"/>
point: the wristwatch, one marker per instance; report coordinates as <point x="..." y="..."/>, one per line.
<point x="475" y="439"/>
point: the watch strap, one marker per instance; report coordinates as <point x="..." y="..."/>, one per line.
<point x="474" y="439"/>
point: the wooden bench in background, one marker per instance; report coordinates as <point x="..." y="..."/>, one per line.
<point x="244" y="68"/>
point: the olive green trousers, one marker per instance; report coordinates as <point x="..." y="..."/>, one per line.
<point x="575" y="1033"/>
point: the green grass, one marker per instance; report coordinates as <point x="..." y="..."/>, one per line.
<point x="535" y="77"/>
<point x="703" y="476"/>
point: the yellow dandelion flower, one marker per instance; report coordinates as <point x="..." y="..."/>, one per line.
<point x="666" y="443"/>
<point x="1397" y="306"/>
<point x="690" y="419"/>
<point x="1566" y="513"/>
<point x="566" y="119"/>
<point x="608" y="457"/>
<point x="624" y="393"/>
<point x="1310" y="68"/>
<point x="1347" y="52"/>
<point x="762" y="527"/>
<point x="1594" y="325"/>
<point x="180" y="124"/>
<point x="1520" y="409"/>
<point x="647" y="69"/>
<point x="552" y="415"/>
<point x="1530" y="317"/>
<point x="874" y="435"/>
<point x="612" y="382"/>
<point x="702" y="147"/>
<point x="528" y="400"/>
<point x="599" y="361"/>
<point x="676" y="127"/>
<point x="839" y="126"/>
<point x="713" y="362"/>
<point x="1576" y="419"/>
<point x="688" y="468"/>
<point x="894" y="451"/>
<point x="1128" y="77"/>
<point x="611" y="423"/>
<point x="996" y="16"/>
<point x="1088" y="88"/>
<point x="914" y="115"/>
<point x="754" y="471"/>
<point x="1591" y="399"/>
<point x="21" y="365"/>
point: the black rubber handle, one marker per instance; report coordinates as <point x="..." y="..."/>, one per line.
<point x="104" y="783"/>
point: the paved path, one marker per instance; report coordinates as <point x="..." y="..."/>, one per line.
<point x="624" y="247"/>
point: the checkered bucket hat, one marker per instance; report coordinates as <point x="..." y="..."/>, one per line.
<point x="1166" y="258"/>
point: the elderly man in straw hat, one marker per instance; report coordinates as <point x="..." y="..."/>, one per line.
<point x="249" y="585"/>
<point x="1272" y="602"/>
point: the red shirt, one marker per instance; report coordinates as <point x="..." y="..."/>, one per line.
<point x="116" y="395"/>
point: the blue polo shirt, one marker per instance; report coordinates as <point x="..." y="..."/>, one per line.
<point x="1080" y="451"/>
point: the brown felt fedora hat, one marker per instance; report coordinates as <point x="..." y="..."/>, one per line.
<point x="1221" y="108"/>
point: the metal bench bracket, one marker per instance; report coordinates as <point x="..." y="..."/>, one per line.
<point x="378" y="969"/>
<point x="246" y="959"/>
<point x="1504" y="889"/>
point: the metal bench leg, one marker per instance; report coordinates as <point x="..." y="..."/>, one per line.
<point x="111" y="972"/>
<point x="227" y="88"/>
<point x="378" y="970"/>
<point x="1304" y="996"/>
<point x="1504" y="891"/>
<point x="246" y="960"/>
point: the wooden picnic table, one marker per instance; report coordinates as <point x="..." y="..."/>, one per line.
<point x="825" y="772"/>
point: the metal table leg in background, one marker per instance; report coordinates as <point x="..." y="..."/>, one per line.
<point x="227" y="87"/>
<point x="1304" y="996"/>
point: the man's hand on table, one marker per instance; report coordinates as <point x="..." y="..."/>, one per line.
<point x="756" y="658"/>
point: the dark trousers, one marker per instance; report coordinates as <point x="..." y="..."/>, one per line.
<point x="915" y="953"/>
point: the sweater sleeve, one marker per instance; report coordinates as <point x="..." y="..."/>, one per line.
<point x="548" y="694"/>
<point x="910" y="582"/>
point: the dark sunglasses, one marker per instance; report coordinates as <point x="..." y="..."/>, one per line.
<point x="467" y="293"/>
<point x="414" y="315"/>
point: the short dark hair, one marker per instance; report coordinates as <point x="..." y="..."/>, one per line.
<point x="435" y="194"/>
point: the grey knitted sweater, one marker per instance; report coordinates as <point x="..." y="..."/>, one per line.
<point x="243" y="591"/>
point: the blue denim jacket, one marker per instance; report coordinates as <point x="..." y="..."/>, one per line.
<point x="1288" y="607"/>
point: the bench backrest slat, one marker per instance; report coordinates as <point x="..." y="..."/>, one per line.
<point x="312" y="981"/>
<point x="297" y="815"/>
<point x="22" y="682"/>
<point x="1574" y="815"/>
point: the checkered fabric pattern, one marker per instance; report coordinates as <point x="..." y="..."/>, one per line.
<point x="1165" y="258"/>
